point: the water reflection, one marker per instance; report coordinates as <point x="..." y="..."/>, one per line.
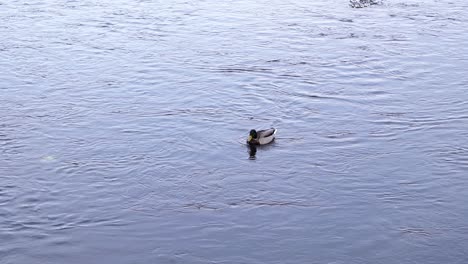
<point x="252" y="151"/>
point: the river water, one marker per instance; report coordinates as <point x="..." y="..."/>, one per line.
<point x="123" y="128"/>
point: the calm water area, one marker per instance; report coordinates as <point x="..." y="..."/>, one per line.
<point x="123" y="128"/>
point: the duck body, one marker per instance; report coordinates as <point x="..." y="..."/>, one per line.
<point x="261" y="137"/>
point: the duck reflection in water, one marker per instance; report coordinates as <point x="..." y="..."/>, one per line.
<point x="252" y="151"/>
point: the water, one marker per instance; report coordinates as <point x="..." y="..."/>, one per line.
<point x="122" y="130"/>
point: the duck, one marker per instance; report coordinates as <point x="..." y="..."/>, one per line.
<point x="261" y="137"/>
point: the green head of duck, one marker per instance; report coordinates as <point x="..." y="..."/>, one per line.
<point x="252" y="135"/>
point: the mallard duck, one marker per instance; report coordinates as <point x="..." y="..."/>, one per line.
<point x="261" y="137"/>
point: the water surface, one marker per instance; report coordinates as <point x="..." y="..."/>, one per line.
<point x="122" y="129"/>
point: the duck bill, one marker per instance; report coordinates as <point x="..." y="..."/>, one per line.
<point x="249" y="139"/>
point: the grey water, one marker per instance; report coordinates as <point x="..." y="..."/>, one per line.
<point x="123" y="128"/>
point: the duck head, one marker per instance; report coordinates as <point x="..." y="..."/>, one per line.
<point x="252" y="135"/>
